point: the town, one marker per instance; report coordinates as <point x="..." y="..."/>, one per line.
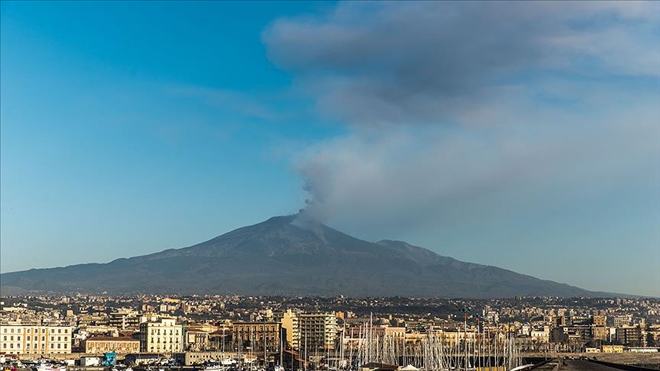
<point x="314" y="332"/>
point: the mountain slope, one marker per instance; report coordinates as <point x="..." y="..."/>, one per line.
<point x="291" y="255"/>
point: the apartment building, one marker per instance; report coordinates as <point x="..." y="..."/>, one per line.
<point x="162" y="335"/>
<point x="629" y="335"/>
<point x="35" y="339"/>
<point x="317" y="330"/>
<point x="124" y="318"/>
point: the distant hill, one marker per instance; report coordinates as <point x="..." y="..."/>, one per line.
<point x="290" y="255"/>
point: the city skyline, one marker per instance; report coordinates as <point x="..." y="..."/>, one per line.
<point x="520" y="135"/>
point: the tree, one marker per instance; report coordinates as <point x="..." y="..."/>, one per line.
<point x="650" y="340"/>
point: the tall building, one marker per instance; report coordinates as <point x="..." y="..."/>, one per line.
<point x="161" y="336"/>
<point x="34" y="339"/>
<point x="629" y="335"/>
<point x="289" y="320"/>
<point x="317" y="331"/>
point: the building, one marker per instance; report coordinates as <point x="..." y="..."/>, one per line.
<point x="196" y="340"/>
<point x="318" y="330"/>
<point x="612" y="348"/>
<point x="629" y="335"/>
<point x="220" y="340"/>
<point x="622" y="320"/>
<point x="161" y="336"/>
<point x="35" y="339"/>
<point x="256" y="336"/>
<point x="600" y="333"/>
<point x="106" y="344"/>
<point x="356" y="335"/>
<point x="289" y="320"/>
<point x="541" y="336"/>
<point x="124" y="318"/>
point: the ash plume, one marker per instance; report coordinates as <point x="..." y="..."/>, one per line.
<point x="473" y="112"/>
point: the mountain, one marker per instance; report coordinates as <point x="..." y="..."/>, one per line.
<point x="290" y="255"/>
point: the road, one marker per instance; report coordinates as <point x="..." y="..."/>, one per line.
<point x="577" y="365"/>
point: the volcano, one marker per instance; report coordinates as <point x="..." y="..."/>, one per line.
<point x="290" y="255"/>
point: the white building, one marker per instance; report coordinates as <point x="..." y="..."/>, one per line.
<point x="161" y="336"/>
<point x="35" y="339"/>
<point x="541" y="335"/>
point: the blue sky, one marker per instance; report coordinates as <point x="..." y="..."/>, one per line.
<point x="525" y="136"/>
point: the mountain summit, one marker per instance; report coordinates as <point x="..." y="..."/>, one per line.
<point x="291" y="255"/>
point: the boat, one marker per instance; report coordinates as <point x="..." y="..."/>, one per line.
<point x="214" y="367"/>
<point x="49" y="367"/>
<point x="228" y="362"/>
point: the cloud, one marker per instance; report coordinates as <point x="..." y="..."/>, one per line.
<point x="419" y="62"/>
<point x="461" y="110"/>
